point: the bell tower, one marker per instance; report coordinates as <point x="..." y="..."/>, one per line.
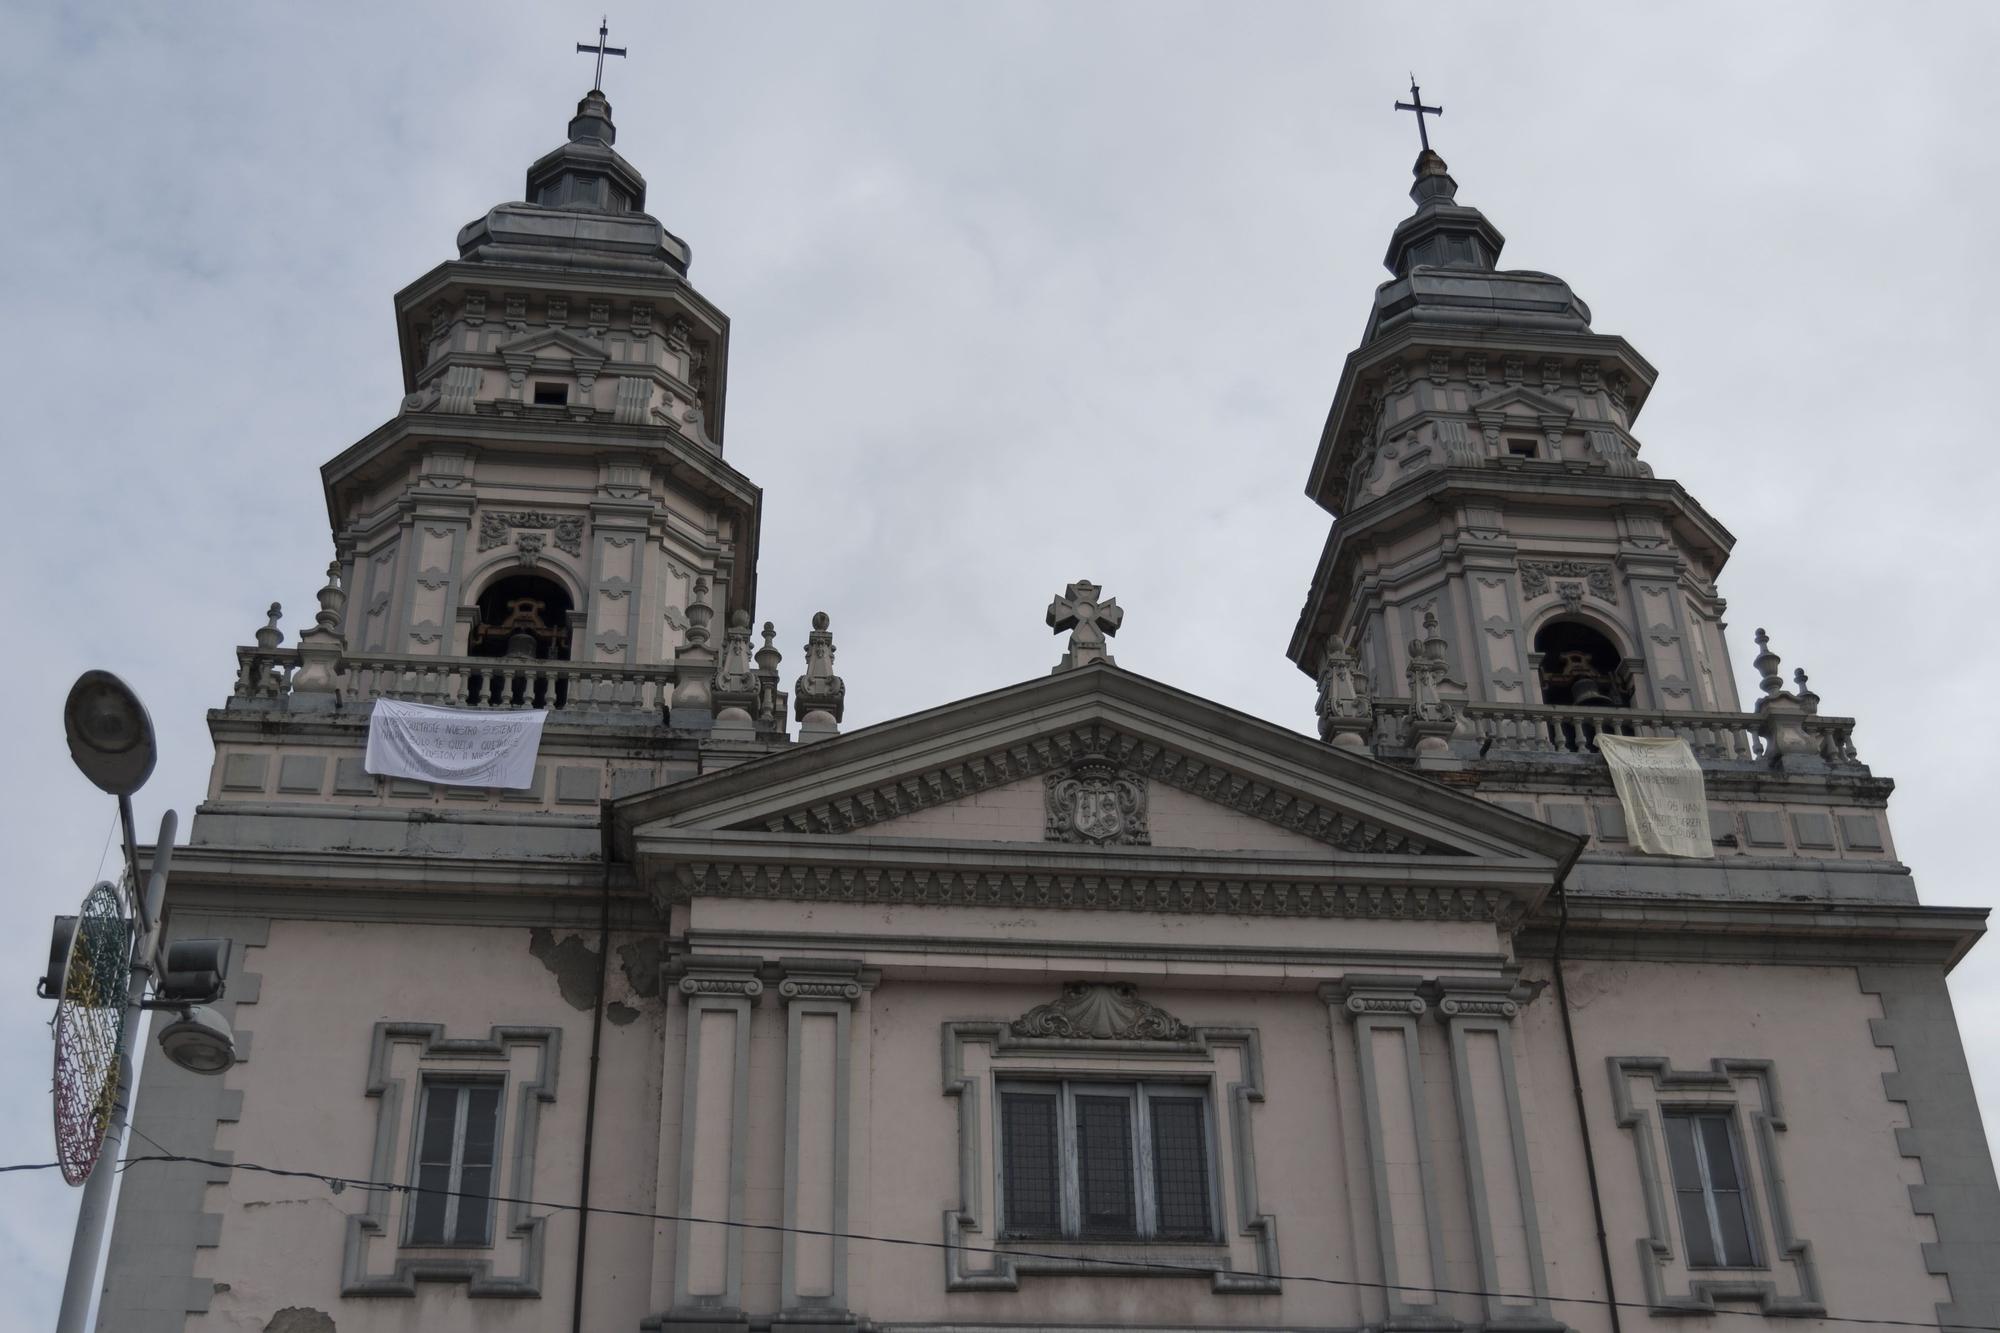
<point x="554" y="486"/>
<point x="1480" y="465"/>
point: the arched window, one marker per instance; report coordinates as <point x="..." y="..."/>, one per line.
<point x="1580" y="667"/>
<point x="522" y="616"/>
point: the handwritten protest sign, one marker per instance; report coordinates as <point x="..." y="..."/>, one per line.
<point x="456" y="747"/>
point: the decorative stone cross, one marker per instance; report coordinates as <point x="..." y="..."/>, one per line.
<point x="1088" y="621"/>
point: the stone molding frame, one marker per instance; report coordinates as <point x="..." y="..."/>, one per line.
<point x="1718" y="1086"/>
<point x="1106" y="1058"/>
<point x="437" y="1051"/>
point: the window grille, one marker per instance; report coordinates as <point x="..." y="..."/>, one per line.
<point x="1703" y="1155"/>
<point x="1105" y="1161"/>
<point x="458" y="1132"/>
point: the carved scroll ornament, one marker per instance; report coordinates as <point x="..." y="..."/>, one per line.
<point x="1536" y="574"/>
<point x="1095" y="1011"/>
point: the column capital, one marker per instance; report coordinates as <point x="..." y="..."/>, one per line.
<point x="1376" y="996"/>
<point x="841" y="979"/>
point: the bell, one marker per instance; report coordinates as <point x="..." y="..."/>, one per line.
<point x="520" y="644"/>
<point x="1589" y="692"/>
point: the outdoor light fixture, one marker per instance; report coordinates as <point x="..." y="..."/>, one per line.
<point x="199" y="1041"/>
<point x="110" y="736"/>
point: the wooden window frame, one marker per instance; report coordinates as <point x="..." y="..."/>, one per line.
<point x="1139" y="1095"/>
<point x="460" y="1085"/>
<point x="1695" y="1113"/>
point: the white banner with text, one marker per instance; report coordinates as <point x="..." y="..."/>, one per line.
<point x="455" y="747"/>
<point x="1658" y="780"/>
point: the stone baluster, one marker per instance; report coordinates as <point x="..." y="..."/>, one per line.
<point x="1346" y="717"/>
<point x="1432" y="719"/>
<point x="317" y="683"/>
<point x="1783" y="715"/>
<point x="770" y="702"/>
<point x="735" y="682"/>
<point x="255" y="668"/>
<point x="819" y="696"/>
<point x="693" y="706"/>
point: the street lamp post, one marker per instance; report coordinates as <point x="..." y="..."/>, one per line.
<point x="111" y="740"/>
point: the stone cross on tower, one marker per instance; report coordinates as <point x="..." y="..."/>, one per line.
<point x="1088" y="621"/>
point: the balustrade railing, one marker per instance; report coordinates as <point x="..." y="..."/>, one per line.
<point x="1532" y="729"/>
<point x="573" y="689"/>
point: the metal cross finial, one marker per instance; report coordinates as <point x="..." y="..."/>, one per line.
<point x="600" y="51"/>
<point x="1416" y="104"/>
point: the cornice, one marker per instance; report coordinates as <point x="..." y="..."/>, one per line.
<point x="1406" y="338"/>
<point x="1796" y="934"/>
<point x="1420" y="501"/>
<point x="677" y="867"/>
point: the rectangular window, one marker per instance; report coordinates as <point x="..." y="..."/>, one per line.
<point x="1105" y="1161"/>
<point x="458" y="1137"/>
<point x="1523" y="449"/>
<point x="1708" y="1184"/>
<point x="551" y="395"/>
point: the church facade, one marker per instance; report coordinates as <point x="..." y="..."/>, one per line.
<point x="1083" y="1003"/>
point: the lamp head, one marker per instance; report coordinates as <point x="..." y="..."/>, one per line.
<point x="110" y="736"/>
<point x="199" y="1041"/>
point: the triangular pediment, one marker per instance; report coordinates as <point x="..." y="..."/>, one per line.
<point x="1521" y="403"/>
<point x="1094" y="762"/>
<point x="552" y="345"/>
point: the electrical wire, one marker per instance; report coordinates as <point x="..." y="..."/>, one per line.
<point x="1153" y="1267"/>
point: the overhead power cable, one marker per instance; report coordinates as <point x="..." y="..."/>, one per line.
<point x="1151" y="1267"/>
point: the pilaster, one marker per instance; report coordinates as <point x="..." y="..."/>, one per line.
<point x="1478" y="1014"/>
<point x="1384" y="1012"/>
<point x="719" y="994"/>
<point x="819" y="997"/>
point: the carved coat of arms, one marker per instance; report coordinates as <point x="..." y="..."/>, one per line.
<point x="1097" y="803"/>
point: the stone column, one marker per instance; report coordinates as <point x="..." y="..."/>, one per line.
<point x="715" y="1109"/>
<point x="1384" y="1012"/>
<point x="819" y="997"/>
<point x="1478" y="1014"/>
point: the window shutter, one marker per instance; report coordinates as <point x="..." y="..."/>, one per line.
<point x="1033" y="1194"/>
<point x="1180" y="1168"/>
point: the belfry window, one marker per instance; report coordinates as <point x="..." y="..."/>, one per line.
<point x="1580" y="667"/>
<point x="1105" y="1161"/>
<point x="458" y="1135"/>
<point x="522" y="616"/>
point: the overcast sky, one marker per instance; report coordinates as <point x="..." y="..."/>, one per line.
<point x="1021" y="293"/>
